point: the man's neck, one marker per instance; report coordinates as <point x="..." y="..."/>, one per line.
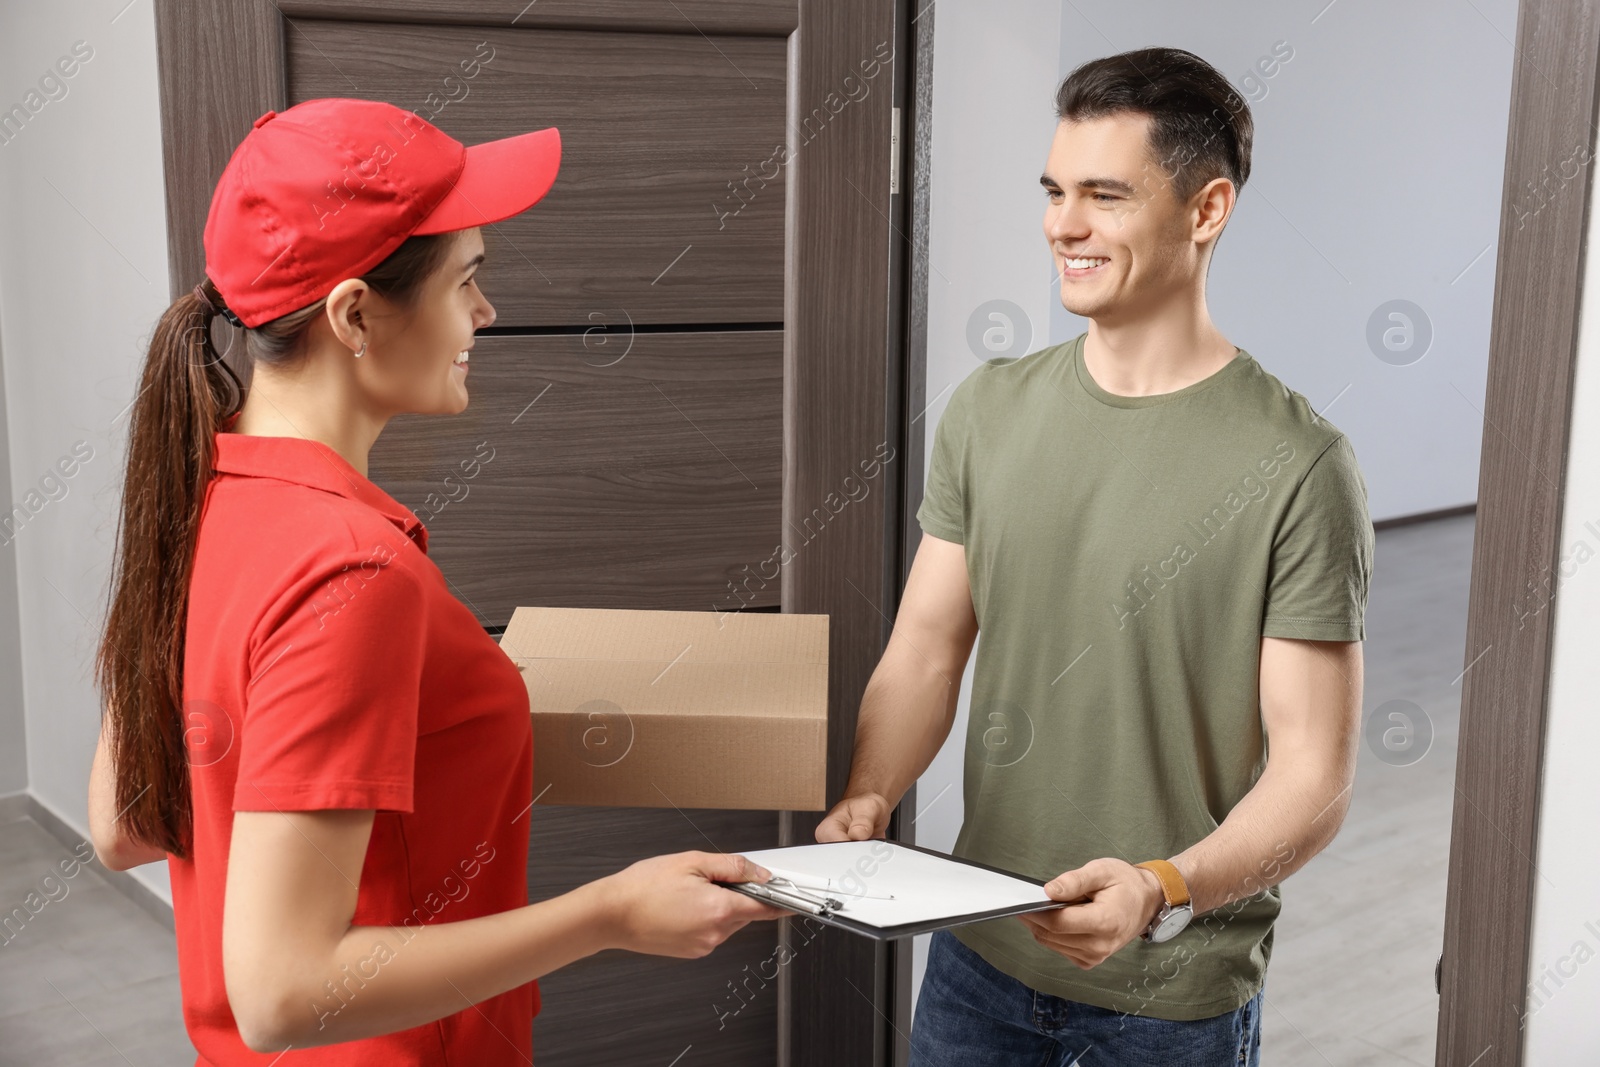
<point x="1155" y="356"/>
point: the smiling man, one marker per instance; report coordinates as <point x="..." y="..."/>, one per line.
<point x="1167" y="553"/>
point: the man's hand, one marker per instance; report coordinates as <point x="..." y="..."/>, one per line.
<point x="856" y="818"/>
<point x="1109" y="903"/>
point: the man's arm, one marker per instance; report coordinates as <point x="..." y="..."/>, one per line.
<point x="1311" y="711"/>
<point x="910" y="700"/>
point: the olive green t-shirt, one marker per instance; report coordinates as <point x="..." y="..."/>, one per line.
<point x="1126" y="556"/>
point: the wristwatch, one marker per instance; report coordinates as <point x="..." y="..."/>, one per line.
<point x="1176" y="912"/>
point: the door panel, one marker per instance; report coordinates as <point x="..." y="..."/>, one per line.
<point x="608" y="1009"/>
<point x="771" y="18"/>
<point x="669" y="207"/>
<point x="601" y="471"/>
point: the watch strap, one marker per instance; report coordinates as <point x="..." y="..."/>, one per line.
<point x="1173" y="887"/>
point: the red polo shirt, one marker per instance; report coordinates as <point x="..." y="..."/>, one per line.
<point x="328" y="665"/>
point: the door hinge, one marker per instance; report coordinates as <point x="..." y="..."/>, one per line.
<point x="894" y="153"/>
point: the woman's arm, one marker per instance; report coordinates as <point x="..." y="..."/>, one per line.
<point x="286" y="932"/>
<point x="112" y="847"/>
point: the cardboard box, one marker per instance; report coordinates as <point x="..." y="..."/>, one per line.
<point x="686" y="709"/>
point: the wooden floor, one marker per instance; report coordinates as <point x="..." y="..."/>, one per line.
<point x="91" y="979"/>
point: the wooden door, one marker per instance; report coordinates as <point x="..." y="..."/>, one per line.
<point x="693" y="371"/>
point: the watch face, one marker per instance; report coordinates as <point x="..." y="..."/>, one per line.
<point x="1172" y="924"/>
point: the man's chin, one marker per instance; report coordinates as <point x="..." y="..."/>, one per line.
<point x="1079" y="306"/>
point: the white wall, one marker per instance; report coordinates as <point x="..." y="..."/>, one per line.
<point x="83" y="279"/>
<point x="1560" y="1025"/>
<point x="1376" y="175"/>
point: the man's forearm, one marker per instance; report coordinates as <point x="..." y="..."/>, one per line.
<point x="1310" y="697"/>
<point x="1286" y="818"/>
<point x="906" y="714"/>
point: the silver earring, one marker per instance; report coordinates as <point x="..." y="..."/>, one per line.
<point x="363" y="350"/>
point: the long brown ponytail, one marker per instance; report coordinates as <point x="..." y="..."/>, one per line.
<point x="186" y="392"/>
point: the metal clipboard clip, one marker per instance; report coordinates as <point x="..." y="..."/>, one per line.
<point x="787" y="893"/>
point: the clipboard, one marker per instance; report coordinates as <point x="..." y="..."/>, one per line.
<point x="885" y="890"/>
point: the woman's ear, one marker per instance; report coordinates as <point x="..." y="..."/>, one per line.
<point x="345" y="312"/>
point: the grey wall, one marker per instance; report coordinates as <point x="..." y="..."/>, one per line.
<point x="13" y="733"/>
<point x="83" y="279"/>
<point x="1377" y="171"/>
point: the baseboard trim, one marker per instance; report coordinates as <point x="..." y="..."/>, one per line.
<point x="13" y="806"/>
<point x="26" y="805"/>
<point x="1426" y="516"/>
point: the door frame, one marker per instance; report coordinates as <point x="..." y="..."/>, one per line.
<point x="1527" y="418"/>
<point x="914" y="20"/>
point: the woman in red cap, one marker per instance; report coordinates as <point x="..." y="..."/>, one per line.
<point x="332" y="756"/>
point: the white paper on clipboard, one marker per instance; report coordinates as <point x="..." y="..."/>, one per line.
<point x="885" y="885"/>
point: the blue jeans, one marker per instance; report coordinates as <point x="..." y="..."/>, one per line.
<point x="971" y="1015"/>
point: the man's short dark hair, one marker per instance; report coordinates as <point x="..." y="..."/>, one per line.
<point x="1201" y="127"/>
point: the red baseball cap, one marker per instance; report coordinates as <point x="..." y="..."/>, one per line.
<point x="329" y="188"/>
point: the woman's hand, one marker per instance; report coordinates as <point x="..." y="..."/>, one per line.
<point x="113" y="848"/>
<point x="668" y="906"/>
